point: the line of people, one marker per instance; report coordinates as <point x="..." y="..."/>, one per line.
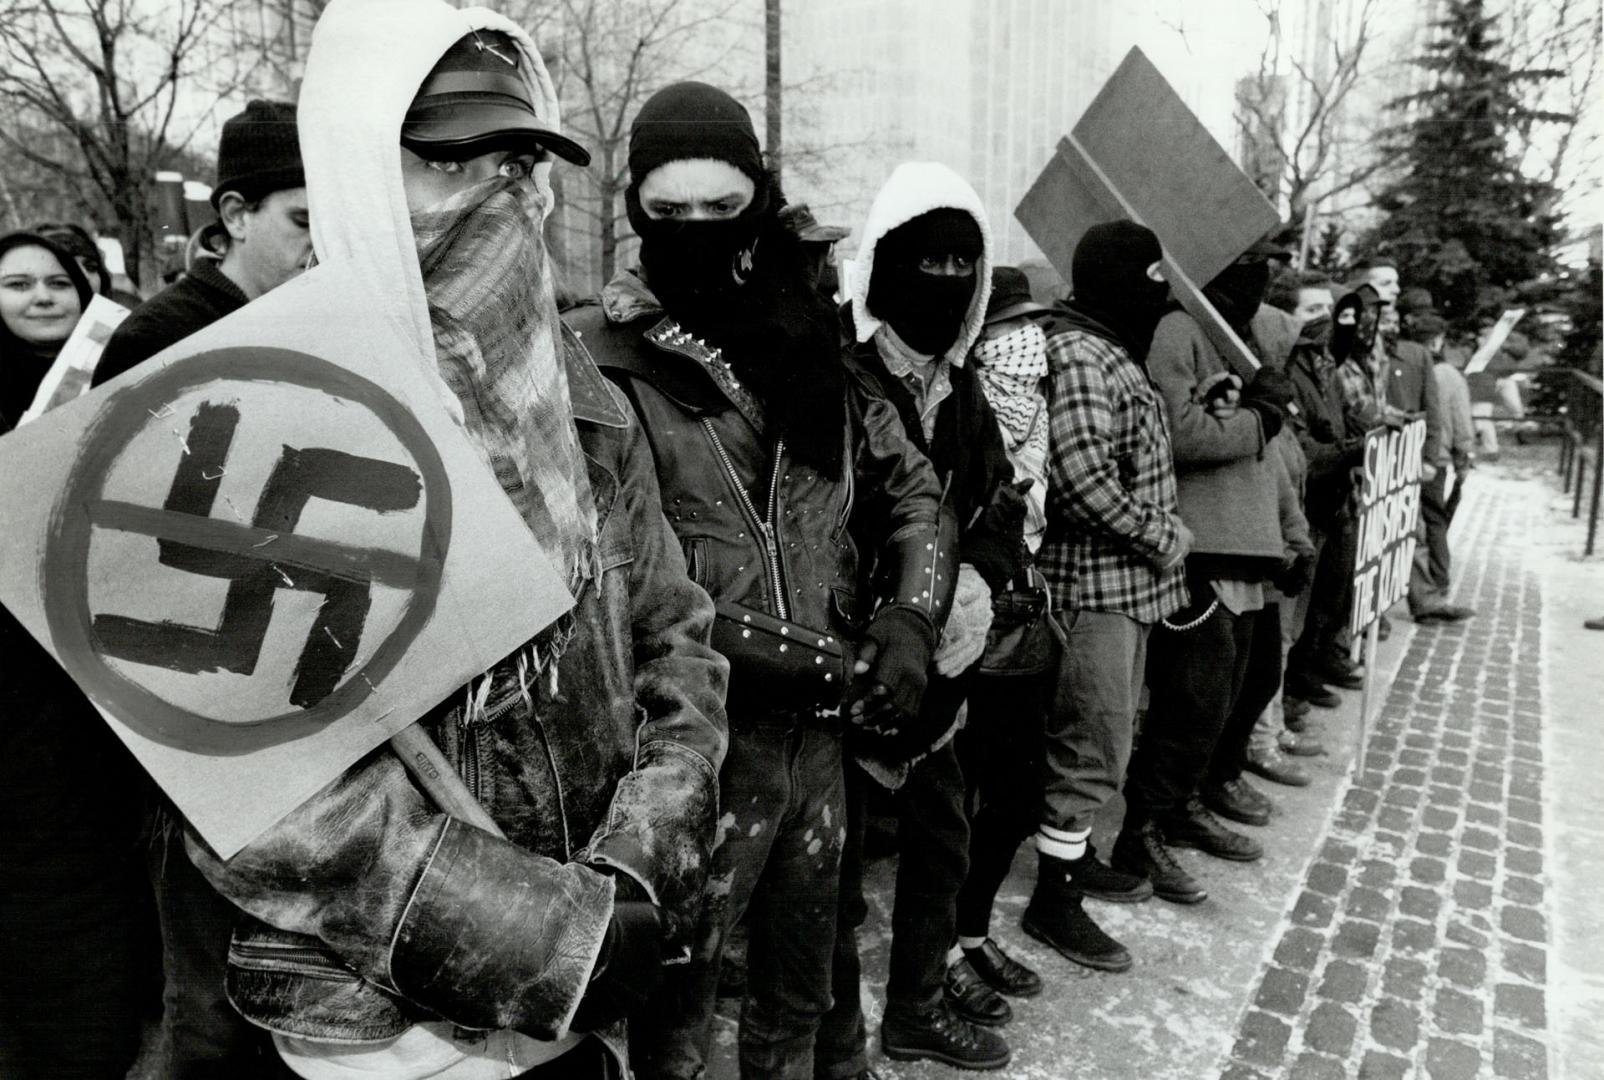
<point x="926" y="554"/>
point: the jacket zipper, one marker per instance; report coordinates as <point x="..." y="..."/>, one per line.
<point x="768" y="526"/>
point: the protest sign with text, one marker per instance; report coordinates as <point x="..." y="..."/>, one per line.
<point x="1389" y="517"/>
<point x="266" y="551"/>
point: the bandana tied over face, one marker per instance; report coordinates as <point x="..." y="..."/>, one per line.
<point x="1354" y="320"/>
<point x="497" y="345"/>
<point x="1010" y="369"/>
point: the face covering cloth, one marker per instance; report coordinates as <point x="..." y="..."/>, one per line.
<point x="497" y="344"/>
<point x="1011" y="369"/>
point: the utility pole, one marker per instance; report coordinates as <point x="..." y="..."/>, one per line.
<point x="771" y="81"/>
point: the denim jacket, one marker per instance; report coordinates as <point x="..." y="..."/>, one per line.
<point x="370" y="910"/>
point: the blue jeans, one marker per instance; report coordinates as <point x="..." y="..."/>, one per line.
<point x="778" y="861"/>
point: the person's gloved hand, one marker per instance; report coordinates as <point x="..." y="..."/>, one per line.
<point x="1268" y="395"/>
<point x="893" y="665"/>
<point x="965" y="636"/>
<point x="629" y="970"/>
<point x="1353" y="453"/>
<point x="1295" y="576"/>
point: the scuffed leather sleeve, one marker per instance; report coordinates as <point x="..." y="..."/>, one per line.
<point x="894" y="484"/>
<point x="992" y="538"/>
<point x="467" y="925"/>
<point x="659" y="829"/>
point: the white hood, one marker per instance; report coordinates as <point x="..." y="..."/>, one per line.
<point x="367" y="61"/>
<point x="914" y="188"/>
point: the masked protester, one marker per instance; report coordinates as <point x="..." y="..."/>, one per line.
<point x="1214" y="664"/>
<point x="424" y="947"/>
<point x="1112" y="560"/>
<point x="918" y="293"/>
<point x="818" y="242"/>
<point x="786" y="480"/>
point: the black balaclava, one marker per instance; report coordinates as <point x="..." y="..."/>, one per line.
<point x="1353" y="324"/>
<point x="1237" y="291"/>
<point x="1109" y="276"/>
<point x="742" y="284"/>
<point x="926" y="310"/>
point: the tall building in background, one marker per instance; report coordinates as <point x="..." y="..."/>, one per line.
<point x="985" y="86"/>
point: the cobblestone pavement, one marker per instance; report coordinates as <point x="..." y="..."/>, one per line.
<point x="1418" y="944"/>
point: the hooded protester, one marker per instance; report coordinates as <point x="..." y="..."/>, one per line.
<point x="918" y="295"/>
<point x="786" y="481"/>
<point x="76" y="929"/>
<point x="262" y="233"/>
<point x="1205" y="661"/>
<point x="1112" y="559"/>
<point x="423" y="947"/>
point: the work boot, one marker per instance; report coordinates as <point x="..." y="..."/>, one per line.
<point x="1448" y="613"/>
<point x="1273" y="765"/>
<point x="1299" y="744"/>
<point x="1197" y="828"/>
<point x="1343" y="675"/>
<point x="1238" y="800"/>
<point x="969" y="996"/>
<point x="1307" y="688"/>
<point x="936" y="1033"/>
<point x="1055" y="917"/>
<point x="1002" y="972"/>
<point x="1142" y="851"/>
<point x="1296" y="712"/>
<point x="1100" y="881"/>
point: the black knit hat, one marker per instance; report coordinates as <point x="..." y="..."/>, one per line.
<point x="1114" y="252"/>
<point x="693" y="120"/>
<point x="259" y="153"/>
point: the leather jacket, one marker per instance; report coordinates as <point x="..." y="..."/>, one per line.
<point x="370" y="910"/>
<point x="757" y="527"/>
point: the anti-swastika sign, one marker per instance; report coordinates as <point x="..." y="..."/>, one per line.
<point x="1389" y="516"/>
<point x="265" y="551"/>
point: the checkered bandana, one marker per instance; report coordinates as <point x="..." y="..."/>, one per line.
<point x="1011" y="370"/>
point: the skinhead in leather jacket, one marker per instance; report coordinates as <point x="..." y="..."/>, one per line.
<point x="389" y="913"/>
<point x="760" y="528"/>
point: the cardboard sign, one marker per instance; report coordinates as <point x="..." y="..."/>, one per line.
<point x="75" y="364"/>
<point x="1139" y="153"/>
<point x="1389" y="516"/>
<point x="1495" y="340"/>
<point x="265" y="551"/>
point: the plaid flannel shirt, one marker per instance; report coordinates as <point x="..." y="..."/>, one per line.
<point x="1111" y="500"/>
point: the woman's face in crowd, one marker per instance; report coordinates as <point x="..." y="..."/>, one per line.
<point x="429" y="182"/>
<point x="696" y="189"/>
<point x="37" y="300"/>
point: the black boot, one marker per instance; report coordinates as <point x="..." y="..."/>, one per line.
<point x="1055" y="917"/>
<point x="1002" y="972"/>
<point x="1197" y="828"/>
<point x="939" y="1034"/>
<point x="1100" y="881"/>
<point x="1141" y="851"/>
<point x="972" y="998"/>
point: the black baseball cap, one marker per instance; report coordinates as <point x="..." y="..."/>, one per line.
<point x="476" y="100"/>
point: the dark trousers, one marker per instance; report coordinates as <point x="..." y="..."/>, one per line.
<point x="1001" y="751"/>
<point x="1428" y="578"/>
<point x="776" y="859"/>
<point x="1261" y="681"/>
<point x="1194" y="678"/>
<point x="932" y="862"/>
<point x="78" y="940"/>
<point x="1329" y="605"/>
<point x="203" y="1038"/>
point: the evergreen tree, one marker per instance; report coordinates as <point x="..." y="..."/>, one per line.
<point x="1463" y="220"/>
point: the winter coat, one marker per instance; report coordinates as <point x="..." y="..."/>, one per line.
<point x="723" y="484"/>
<point x="1408" y="384"/>
<point x="193" y="302"/>
<point x="1316" y="418"/>
<point x="370" y="909"/>
<point x="1227" y="489"/>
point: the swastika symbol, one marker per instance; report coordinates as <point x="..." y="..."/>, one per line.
<point x="257" y="559"/>
<point x="249" y="558"/>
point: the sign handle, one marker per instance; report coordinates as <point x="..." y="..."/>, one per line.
<point x="1372" y="640"/>
<point x="1187" y="291"/>
<point x="434" y="774"/>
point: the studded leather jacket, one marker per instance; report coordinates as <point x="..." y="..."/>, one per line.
<point x="756" y="526"/>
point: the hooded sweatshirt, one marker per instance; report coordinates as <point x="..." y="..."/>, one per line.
<point x="940" y="400"/>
